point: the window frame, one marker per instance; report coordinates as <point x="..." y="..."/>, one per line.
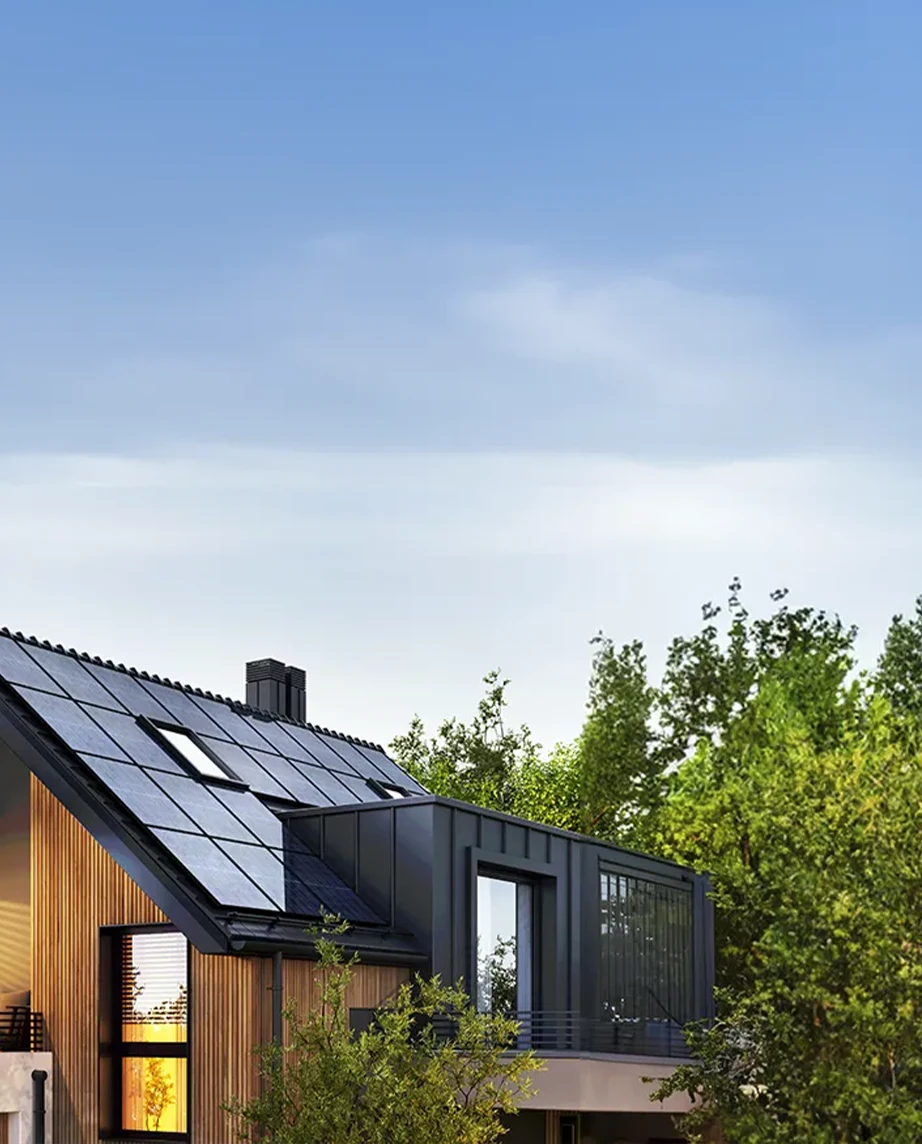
<point x="154" y="727"/>
<point x="115" y="1050"/>
<point x="390" y="791"/>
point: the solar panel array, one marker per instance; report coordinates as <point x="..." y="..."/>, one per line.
<point x="226" y="838"/>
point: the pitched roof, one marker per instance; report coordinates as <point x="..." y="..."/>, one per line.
<point x="118" y="747"/>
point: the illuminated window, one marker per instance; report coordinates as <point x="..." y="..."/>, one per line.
<point x="145" y="1051"/>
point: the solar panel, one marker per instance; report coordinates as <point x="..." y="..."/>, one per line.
<point x="356" y="760"/>
<point x="183" y="710"/>
<point x="247" y="807"/>
<point x="17" y="667"/>
<point x="234" y="726"/>
<point x="247" y="769"/>
<point x="290" y="777"/>
<point x="392" y="773"/>
<point x="72" y="724"/>
<point x="73" y="678"/>
<point x="142" y="797"/>
<point x="266" y="868"/>
<point x="328" y="886"/>
<point x="212" y="816"/>
<point x="129" y="690"/>
<point x="327" y="782"/>
<point x="226" y="883"/>
<point x="278" y="736"/>
<point x="361" y="791"/>
<point x="135" y="741"/>
<point x="319" y="749"/>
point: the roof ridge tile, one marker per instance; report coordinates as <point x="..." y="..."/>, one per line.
<point x="237" y="705"/>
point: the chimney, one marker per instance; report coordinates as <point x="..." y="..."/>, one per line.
<point x="274" y="687"/>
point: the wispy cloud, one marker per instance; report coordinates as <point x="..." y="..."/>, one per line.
<point x="398" y="579"/>
<point x="347" y="342"/>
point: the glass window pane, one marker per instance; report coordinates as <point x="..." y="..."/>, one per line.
<point x="193" y="753"/>
<point x="496" y="945"/>
<point x="155" y="987"/>
<point x="154" y="1094"/>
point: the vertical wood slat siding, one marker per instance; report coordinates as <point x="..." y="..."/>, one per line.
<point x="4" y="1128"/>
<point x="76" y="888"/>
<point x="370" y="987"/>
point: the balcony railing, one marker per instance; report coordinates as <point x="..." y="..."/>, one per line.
<point x="22" y="1030"/>
<point x="568" y="1032"/>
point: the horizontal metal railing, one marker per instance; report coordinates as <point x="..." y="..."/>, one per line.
<point x="22" y="1030"/>
<point x="570" y="1032"/>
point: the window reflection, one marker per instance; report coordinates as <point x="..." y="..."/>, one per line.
<point x="503" y="945"/>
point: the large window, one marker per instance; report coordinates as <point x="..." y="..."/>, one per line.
<point x="504" y="945"/>
<point x="145" y="1041"/>
<point x="646" y="929"/>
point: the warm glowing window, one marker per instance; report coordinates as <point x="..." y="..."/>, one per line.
<point x="145" y="1056"/>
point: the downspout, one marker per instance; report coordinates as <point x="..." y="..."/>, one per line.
<point x="277" y="997"/>
<point x="39" y="1076"/>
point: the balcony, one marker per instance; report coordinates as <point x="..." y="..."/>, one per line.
<point x="569" y="1033"/>
<point x="22" y="1030"/>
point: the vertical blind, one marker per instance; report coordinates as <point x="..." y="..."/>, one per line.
<point x="647" y="949"/>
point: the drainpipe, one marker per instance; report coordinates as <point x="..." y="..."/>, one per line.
<point x="277" y="997"/>
<point x="39" y="1076"/>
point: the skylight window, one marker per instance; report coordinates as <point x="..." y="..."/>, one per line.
<point x="392" y="791"/>
<point x="184" y="744"/>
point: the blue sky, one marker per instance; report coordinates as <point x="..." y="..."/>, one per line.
<point x="489" y="324"/>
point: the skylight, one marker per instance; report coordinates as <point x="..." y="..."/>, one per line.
<point x="393" y="791"/>
<point x="193" y="754"/>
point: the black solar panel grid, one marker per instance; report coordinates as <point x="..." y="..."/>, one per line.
<point x="73" y="678"/>
<point x="66" y="718"/>
<point x="211" y="867"/>
<point x="146" y="801"/>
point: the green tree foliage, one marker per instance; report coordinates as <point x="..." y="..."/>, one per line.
<point x="814" y="855"/>
<point x="899" y="669"/>
<point x="430" y="1069"/>
<point x="764" y="758"/>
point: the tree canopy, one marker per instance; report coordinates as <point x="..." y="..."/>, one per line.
<point x="765" y="757"/>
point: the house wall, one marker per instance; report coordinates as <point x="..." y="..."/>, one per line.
<point x="77" y="889"/>
<point x="14" y="874"/>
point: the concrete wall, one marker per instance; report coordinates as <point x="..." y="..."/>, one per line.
<point x="15" y="927"/>
<point x="16" y="1094"/>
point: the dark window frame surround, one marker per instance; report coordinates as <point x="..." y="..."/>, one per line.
<point x="227" y="778"/>
<point x="112" y="1049"/>
<point x="543" y="879"/>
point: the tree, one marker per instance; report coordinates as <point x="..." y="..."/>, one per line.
<point x="899" y="669"/>
<point x="158" y="1093"/>
<point x="814" y="855"/>
<point x="430" y="1069"/>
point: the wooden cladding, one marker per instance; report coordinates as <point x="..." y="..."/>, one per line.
<point x="4" y="1128"/>
<point x="76" y="889"/>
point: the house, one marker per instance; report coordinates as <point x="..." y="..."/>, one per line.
<point x="164" y="851"/>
